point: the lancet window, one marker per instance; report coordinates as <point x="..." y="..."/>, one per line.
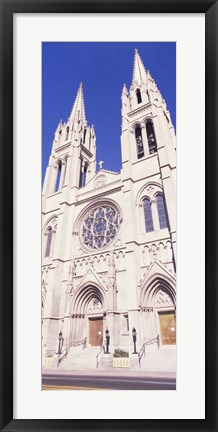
<point x="139" y="96"/>
<point x="152" y="144"/>
<point x="161" y="209"/>
<point x="139" y="142"/>
<point x="148" y="215"/>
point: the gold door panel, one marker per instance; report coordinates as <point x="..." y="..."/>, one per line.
<point x="95" y="331"/>
<point x="167" y="328"/>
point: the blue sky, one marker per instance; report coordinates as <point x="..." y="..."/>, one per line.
<point x="103" y="67"/>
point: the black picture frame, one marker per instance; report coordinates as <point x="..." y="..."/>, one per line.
<point x="7" y="9"/>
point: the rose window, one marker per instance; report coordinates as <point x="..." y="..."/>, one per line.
<point x="100" y="226"/>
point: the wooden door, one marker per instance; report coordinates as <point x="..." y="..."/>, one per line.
<point x="167" y="328"/>
<point x="95" y="331"/>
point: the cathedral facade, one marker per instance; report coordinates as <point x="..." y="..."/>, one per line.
<point x="109" y="238"/>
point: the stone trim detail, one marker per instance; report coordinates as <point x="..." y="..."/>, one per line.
<point x="101" y="194"/>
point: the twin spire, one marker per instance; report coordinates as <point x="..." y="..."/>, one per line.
<point x="139" y="75"/>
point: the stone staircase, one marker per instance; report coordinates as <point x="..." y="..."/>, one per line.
<point x="163" y="359"/>
<point x="78" y="358"/>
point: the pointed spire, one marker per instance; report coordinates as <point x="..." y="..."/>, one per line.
<point x="124" y="91"/>
<point x="78" y="110"/>
<point x="92" y="131"/>
<point x="59" y="126"/>
<point x="139" y="71"/>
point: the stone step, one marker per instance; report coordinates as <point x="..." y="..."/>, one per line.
<point x="158" y="360"/>
<point x="162" y="360"/>
<point x="80" y="359"/>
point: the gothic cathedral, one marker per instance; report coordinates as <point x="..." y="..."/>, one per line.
<point x="109" y="238"/>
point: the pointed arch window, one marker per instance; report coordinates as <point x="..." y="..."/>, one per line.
<point x="57" y="185"/>
<point x="83" y="174"/>
<point x="139" y="96"/>
<point x="139" y="142"/>
<point x="161" y="209"/>
<point x="152" y="144"/>
<point x="48" y="244"/>
<point x="84" y="136"/>
<point x="148" y="215"/>
<point x="67" y="133"/>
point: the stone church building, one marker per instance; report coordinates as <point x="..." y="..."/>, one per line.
<point x="109" y="238"/>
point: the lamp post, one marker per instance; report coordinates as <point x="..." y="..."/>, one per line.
<point x="134" y="335"/>
<point x="61" y="339"/>
<point x="107" y="341"/>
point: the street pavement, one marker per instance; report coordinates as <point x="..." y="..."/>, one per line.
<point x="108" y="380"/>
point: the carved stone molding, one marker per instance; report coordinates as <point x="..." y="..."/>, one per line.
<point x="147" y="309"/>
<point x="100" y="181"/>
<point x="92" y="194"/>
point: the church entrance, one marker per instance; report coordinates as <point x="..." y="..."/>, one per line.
<point x="95" y="331"/>
<point x="167" y="327"/>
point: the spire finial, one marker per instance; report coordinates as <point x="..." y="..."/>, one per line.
<point x="78" y="110"/>
<point x="139" y="71"/>
<point x="124" y="91"/>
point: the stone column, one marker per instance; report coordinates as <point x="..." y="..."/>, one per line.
<point x="53" y="179"/>
<point x="66" y="330"/>
<point x="68" y="167"/>
<point x="73" y="328"/>
<point x="47" y="181"/>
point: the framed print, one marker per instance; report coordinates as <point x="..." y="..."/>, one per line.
<point x="91" y="304"/>
<point x="94" y="316"/>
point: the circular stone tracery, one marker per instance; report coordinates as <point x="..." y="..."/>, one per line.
<point x="100" y="226"/>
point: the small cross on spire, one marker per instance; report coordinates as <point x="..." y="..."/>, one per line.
<point x="100" y="163"/>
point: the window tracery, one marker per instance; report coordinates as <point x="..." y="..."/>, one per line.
<point x="161" y="211"/>
<point x="148" y="215"/>
<point x="100" y="226"/>
<point x="48" y="244"/>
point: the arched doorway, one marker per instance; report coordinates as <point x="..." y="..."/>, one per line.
<point x="158" y="306"/>
<point x="87" y="318"/>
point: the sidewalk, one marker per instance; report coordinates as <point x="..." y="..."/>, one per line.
<point x="111" y="373"/>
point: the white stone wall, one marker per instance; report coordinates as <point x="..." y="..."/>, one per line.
<point x="126" y="274"/>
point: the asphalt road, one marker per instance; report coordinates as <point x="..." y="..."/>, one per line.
<point x="105" y="382"/>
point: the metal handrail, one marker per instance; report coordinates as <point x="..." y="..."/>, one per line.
<point x="149" y="342"/>
<point x="97" y="357"/>
<point x="72" y="344"/>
